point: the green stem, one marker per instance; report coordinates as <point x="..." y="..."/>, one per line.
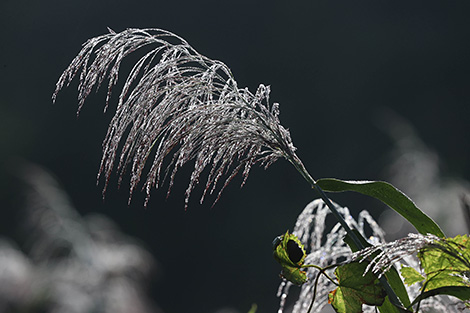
<point x="303" y="171"/>
<point x="314" y="293"/>
<point x="322" y="270"/>
<point x="295" y="160"/>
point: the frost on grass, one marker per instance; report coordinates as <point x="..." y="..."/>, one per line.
<point x="387" y="254"/>
<point x="325" y="246"/>
<point x="66" y="262"/>
<point x="180" y="104"/>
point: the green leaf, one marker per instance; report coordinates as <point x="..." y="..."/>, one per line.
<point x="397" y="285"/>
<point x="352" y="245"/>
<point x="392" y="276"/>
<point x="388" y="307"/>
<point x="463" y="293"/>
<point x="354" y="289"/>
<point x="253" y="308"/>
<point x="389" y="195"/>
<point x="411" y="275"/>
<point x="445" y="262"/>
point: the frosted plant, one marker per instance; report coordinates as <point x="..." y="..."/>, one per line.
<point x="180" y="103"/>
<point x="325" y="246"/>
<point x="70" y="263"/>
<point x="443" y="261"/>
<point x="383" y="256"/>
<point x="392" y="252"/>
<point x="183" y="106"/>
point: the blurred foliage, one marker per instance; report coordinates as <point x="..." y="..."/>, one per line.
<point x="70" y="263"/>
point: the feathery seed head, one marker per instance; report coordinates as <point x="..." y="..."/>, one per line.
<point x="177" y="102"/>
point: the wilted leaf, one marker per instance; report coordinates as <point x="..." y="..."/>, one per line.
<point x="290" y="253"/>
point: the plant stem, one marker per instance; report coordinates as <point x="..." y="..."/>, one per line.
<point x="303" y="171"/>
<point x="295" y="160"/>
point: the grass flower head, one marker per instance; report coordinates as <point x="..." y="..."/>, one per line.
<point x="177" y="103"/>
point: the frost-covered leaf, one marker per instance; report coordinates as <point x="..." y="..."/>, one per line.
<point x="355" y="289"/>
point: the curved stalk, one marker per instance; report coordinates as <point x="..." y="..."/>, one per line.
<point x="322" y="270"/>
<point x="295" y="160"/>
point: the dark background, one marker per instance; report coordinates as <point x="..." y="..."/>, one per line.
<point x="332" y="65"/>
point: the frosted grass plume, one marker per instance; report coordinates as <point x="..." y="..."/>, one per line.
<point x="177" y="102"/>
<point x="393" y="252"/>
<point x="325" y="246"/>
<point x="387" y="254"/>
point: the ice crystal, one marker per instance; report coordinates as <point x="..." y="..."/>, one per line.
<point x="177" y="102"/>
